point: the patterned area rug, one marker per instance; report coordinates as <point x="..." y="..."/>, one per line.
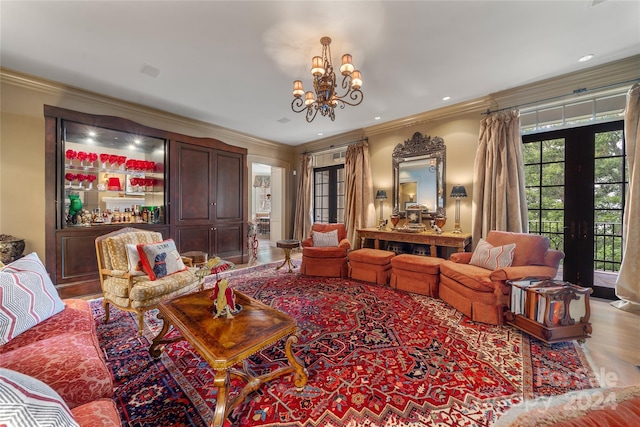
<point x="375" y="356"/>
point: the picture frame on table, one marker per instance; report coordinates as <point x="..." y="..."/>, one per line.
<point x="414" y="215"/>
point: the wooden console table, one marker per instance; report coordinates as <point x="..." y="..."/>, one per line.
<point x="460" y="241"/>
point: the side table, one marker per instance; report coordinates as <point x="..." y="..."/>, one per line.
<point x="287" y="245"/>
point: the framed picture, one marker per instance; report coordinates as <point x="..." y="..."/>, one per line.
<point x="414" y="215"/>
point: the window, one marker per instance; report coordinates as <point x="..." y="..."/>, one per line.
<point x="329" y="186"/>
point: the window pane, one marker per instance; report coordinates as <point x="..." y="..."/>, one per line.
<point x="553" y="174"/>
<point x="579" y="112"/>
<point x="550" y="117"/>
<point x="607" y="196"/>
<point x="608" y="169"/>
<point x="553" y="150"/>
<point x="533" y="197"/>
<point x="531" y="152"/>
<point x="609" y="144"/>
<point x="552" y="197"/>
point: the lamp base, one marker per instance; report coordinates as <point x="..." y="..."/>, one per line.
<point x="456" y="231"/>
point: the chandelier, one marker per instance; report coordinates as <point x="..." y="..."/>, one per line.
<point x="325" y="99"/>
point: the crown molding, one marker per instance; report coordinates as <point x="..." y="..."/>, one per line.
<point x="49" y="87"/>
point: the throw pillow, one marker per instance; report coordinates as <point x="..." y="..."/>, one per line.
<point x="160" y="259"/>
<point x="28" y="402"/>
<point x="133" y="258"/>
<point x="492" y="257"/>
<point x="330" y="238"/>
<point x="27" y="297"/>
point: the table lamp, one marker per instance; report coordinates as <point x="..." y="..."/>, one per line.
<point x="381" y="195"/>
<point x="458" y="192"/>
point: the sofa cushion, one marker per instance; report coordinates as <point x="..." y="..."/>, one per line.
<point x="417" y="263"/>
<point x="99" y="413"/>
<point x="28" y="402"/>
<point x="27" y="297"/>
<point x="117" y="250"/>
<point x="330" y="238"/>
<point x="160" y="259"/>
<point x="371" y="256"/>
<point x="70" y="363"/>
<point x="471" y="276"/>
<point x="492" y="257"/>
<point x="531" y="249"/>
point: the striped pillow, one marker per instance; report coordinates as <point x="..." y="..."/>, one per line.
<point x="27" y="297"/>
<point x="330" y="238"/>
<point x="492" y="257"/>
<point x="28" y="402"/>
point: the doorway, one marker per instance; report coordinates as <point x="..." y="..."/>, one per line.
<point x="266" y="202"/>
<point x="576" y="181"/>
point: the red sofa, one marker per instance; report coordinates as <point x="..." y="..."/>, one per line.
<point x="63" y="352"/>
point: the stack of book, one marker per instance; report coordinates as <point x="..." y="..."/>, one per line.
<point x="529" y="299"/>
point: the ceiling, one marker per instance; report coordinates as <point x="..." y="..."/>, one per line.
<point x="233" y="63"/>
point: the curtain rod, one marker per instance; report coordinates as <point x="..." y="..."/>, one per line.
<point x="579" y="91"/>
<point x="366" y="138"/>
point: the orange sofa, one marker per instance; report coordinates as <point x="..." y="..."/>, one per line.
<point x="483" y="294"/>
<point x="327" y="261"/>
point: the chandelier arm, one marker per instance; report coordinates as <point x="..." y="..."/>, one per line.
<point x="312" y="110"/>
<point x="297" y="105"/>
<point x="355" y="95"/>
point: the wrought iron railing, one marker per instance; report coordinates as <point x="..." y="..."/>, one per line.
<point x="607" y="241"/>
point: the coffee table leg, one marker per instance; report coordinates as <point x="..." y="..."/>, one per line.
<point x="300" y="376"/>
<point x="154" y="349"/>
<point x="221" y="381"/>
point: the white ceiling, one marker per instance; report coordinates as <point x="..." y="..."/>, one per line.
<point x="232" y="63"/>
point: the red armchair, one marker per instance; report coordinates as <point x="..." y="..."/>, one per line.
<point x="483" y="294"/>
<point x="328" y="261"/>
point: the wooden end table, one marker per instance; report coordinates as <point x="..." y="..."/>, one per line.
<point x="287" y="245"/>
<point x="224" y="343"/>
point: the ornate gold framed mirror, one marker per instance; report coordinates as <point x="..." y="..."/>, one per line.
<point x="419" y="176"/>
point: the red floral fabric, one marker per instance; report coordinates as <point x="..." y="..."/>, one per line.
<point x="100" y="413"/>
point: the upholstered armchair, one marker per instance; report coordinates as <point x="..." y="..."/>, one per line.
<point x="123" y="281"/>
<point x="325" y="252"/>
<point x="475" y="283"/>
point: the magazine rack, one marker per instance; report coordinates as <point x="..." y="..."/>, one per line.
<point x="543" y="309"/>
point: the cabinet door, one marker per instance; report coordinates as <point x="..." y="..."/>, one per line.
<point x="229" y="241"/>
<point x="193" y="187"/>
<point x="229" y="182"/>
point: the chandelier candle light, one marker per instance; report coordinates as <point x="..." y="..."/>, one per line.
<point x="382" y="196"/>
<point x="458" y="192"/>
<point x="325" y="99"/>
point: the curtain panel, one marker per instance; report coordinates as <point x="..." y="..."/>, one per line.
<point x="304" y="207"/>
<point x="628" y="282"/>
<point x="499" y="198"/>
<point x="359" y="208"/>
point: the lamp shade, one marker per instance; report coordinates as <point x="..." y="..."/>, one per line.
<point x="458" y="191"/>
<point x="381" y="195"/>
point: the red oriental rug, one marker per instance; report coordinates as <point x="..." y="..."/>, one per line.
<point x="375" y="357"/>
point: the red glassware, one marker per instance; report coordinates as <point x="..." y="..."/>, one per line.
<point x="70" y="177"/>
<point x="151" y="166"/>
<point x="82" y="156"/>
<point x="91" y="178"/>
<point x="113" y="160"/>
<point x="148" y="182"/>
<point x="139" y="165"/>
<point x="81" y="178"/>
<point x="71" y="154"/>
<point x="92" y="158"/>
<point x="130" y="164"/>
<point x="104" y="158"/>
<point x="121" y="160"/>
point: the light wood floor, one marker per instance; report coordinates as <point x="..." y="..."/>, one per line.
<point x="614" y="346"/>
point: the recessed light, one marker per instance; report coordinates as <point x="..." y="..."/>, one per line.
<point x="377" y="118"/>
<point x="320" y="134"/>
<point x="446" y="98"/>
<point x="586" y="58"/>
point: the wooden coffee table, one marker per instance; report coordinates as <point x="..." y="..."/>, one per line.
<point x="224" y="343"/>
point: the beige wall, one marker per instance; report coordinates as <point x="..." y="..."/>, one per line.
<point x="22" y="139"/>
<point x="22" y="99"/>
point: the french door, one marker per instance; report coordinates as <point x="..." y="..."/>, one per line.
<point x="328" y="194"/>
<point x="576" y="181"/>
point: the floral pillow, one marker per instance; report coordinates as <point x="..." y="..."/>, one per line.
<point x="160" y="259"/>
<point x="27" y="297"/>
<point x="330" y="238"/>
<point x="492" y="257"/>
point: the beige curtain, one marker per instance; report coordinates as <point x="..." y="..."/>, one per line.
<point x="499" y="199"/>
<point x="304" y="206"/>
<point x="359" y="209"/>
<point x="628" y="282"/>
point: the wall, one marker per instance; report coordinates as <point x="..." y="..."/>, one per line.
<point x="22" y="136"/>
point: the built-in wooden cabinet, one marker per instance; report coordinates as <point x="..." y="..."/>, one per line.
<point x="190" y="189"/>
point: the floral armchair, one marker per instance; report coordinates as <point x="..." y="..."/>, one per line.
<point x="124" y="286"/>
<point x="481" y="292"/>
<point x="325" y="252"/>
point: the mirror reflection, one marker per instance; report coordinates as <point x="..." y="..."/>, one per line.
<point x="418" y="175"/>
